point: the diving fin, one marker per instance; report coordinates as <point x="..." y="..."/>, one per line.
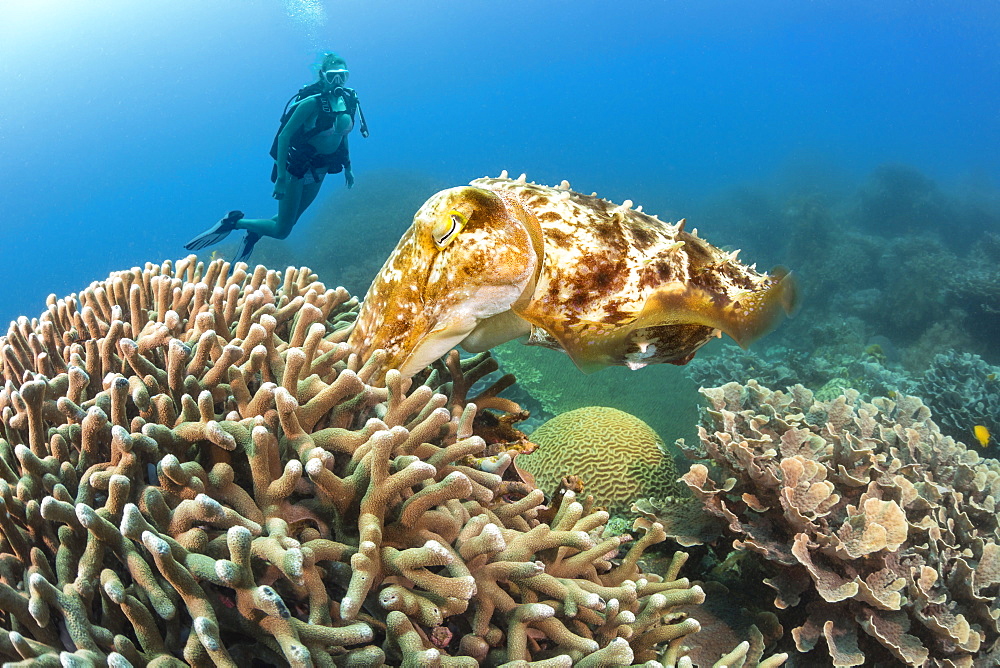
<point x="246" y="247"/>
<point x="216" y="233"/>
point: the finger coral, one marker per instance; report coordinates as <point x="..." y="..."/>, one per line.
<point x="618" y="457"/>
<point x="195" y="470"/>
<point x="881" y="534"/>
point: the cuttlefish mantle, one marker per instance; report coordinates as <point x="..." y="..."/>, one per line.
<point x="503" y="258"/>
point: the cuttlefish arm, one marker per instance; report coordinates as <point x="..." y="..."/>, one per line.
<point x="469" y="256"/>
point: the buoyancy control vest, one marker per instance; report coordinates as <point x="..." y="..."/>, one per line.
<point x="326" y="116"/>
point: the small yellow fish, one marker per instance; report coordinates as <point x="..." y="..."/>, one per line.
<point x="982" y="435"/>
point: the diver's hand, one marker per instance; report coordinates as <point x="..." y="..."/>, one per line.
<point x="280" y="186"/>
<point x="349" y="177"/>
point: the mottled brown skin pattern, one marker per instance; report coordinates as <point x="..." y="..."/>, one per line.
<point x="606" y="283"/>
<point x="420" y="286"/>
<point x="613" y="279"/>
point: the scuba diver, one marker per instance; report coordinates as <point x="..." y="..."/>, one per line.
<point x="311" y="142"/>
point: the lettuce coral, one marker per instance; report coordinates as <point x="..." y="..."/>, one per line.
<point x="194" y="469"/>
<point x="879" y="532"/>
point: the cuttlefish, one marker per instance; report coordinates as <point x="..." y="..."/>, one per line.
<point x="502" y="258"/>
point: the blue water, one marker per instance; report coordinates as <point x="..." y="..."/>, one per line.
<point x="127" y="127"/>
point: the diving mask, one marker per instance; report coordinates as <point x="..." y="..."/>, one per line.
<point x="336" y="77"/>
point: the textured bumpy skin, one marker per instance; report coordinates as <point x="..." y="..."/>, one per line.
<point x="606" y="283"/>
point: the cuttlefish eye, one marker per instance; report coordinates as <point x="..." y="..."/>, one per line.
<point x="447" y="228"/>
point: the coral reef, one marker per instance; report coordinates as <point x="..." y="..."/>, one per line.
<point x="899" y="255"/>
<point x="912" y="289"/>
<point x="897" y="287"/>
<point x="898" y="199"/>
<point x="724" y="624"/>
<point x="974" y="290"/>
<point x="880" y="533"/>
<point x="827" y="372"/>
<point x="939" y="336"/>
<point x="194" y="469"/>
<point x="617" y="456"/>
<point x="733" y="364"/>
<point x="962" y="391"/>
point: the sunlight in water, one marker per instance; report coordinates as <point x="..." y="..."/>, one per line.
<point x="309" y="13"/>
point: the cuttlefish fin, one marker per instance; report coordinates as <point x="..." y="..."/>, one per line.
<point x="756" y="313"/>
<point x="745" y="317"/>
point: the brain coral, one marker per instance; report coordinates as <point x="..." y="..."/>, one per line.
<point x="617" y="455"/>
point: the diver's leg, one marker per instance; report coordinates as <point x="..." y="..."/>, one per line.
<point x="277" y="227"/>
<point x="261" y="226"/>
<point x="288" y="208"/>
<point x="288" y="212"/>
<point x="297" y="199"/>
<point x="309" y="192"/>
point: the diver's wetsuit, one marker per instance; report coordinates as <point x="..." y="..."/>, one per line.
<point x="304" y="162"/>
